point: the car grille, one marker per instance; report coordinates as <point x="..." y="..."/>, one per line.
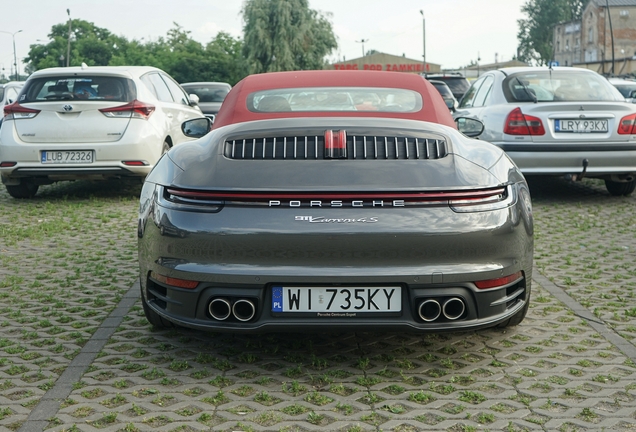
<point x="313" y="147"/>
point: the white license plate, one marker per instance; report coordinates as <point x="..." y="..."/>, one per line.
<point x="337" y="299"/>
<point x="67" y="156"/>
<point x="580" y="126"/>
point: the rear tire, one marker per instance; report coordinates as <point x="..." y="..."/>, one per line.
<point x="620" y="188"/>
<point x="26" y="189"/>
<point x="156" y="320"/>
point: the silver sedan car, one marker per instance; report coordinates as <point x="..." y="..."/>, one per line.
<point x="557" y="121"/>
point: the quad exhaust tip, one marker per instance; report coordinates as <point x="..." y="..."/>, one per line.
<point x="243" y="310"/>
<point x="430" y="310"/>
<point x="221" y="309"/>
<point x="453" y="308"/>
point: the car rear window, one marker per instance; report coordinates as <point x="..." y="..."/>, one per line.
<point x="625" y="89"/>
<point x="325" y="99"/>
<point x="208" y="93"/>
<point x="91" y="88"/>
<point x="443" y="89"/>
<point x="556" y="86"/>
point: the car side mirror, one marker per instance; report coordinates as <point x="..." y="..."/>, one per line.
<point x="196" y="128"/>
<point x="194" y="100"/>
<point x="470" y="127"/>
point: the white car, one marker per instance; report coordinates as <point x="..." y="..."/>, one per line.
<point x="626" y="87"/>
<point x="560" y="121"/>
<point x="9" y="92"/>
<point x="90" y="123"/>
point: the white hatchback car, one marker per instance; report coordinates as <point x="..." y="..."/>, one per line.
<point x="90" y="123"/>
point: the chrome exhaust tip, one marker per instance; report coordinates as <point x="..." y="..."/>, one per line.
<point x="453" y="308"/>
<point x="220" y="309"/>
<point x="243" y="310"/>
<point x="429" y="310"/>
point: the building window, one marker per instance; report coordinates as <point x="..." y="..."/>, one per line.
<point x="558" y="46"/>
<point x="578" y="42"/>
<point x="590" y="36"/>
<point x="567" y="44"/>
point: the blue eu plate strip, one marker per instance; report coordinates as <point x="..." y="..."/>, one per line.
<point x="277" y="299"/>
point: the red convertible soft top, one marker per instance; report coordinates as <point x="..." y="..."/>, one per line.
<point x="235" y="108"/>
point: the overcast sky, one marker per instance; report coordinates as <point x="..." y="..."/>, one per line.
<point x="457" y="31"/>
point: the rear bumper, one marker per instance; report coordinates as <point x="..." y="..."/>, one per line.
<point x="548" y="159"/>
<point x="482" y="309"/>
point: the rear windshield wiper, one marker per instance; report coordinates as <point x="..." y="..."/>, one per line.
<point x="527" y="90"/>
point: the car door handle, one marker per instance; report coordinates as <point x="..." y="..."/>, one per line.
<point x="169" y="115"/>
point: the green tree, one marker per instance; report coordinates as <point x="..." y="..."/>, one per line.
<point x="535" y="32"/>
<point x="90" y="44"/>
<point x="283" y="35"/>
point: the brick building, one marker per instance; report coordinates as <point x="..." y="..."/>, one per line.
<point x="589" y="39"/>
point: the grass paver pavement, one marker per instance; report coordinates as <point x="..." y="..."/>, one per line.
<point x="69" y="256"/>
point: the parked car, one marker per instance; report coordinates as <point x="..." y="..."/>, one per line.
<point x="455" y="81"/>
<point x="446" y="93"/>
<point x="626" y="87"/>
<point x="9" y="92"/>
<point x="558" y="121"/>
<point x="210" y="94"/>
<point x="90" y="122"/>
<point x="288" y="217"/>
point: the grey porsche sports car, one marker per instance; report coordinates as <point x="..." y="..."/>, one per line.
<point x="335" y="200"/>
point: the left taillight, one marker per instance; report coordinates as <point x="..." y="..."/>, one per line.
<point x="15" y="111"/>
<point x="518" y="123"/>
<point x="134" y="109"/>
<point x="627" y="126"/>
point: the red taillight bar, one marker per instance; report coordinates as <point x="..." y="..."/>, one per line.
<point x="179" y="283"/>
<point x="491" y="283"/>
<point x="412" y="196"/>
<point x="627" y="125"/>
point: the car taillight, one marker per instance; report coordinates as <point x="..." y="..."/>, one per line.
<point x="518" y="123"/>
<point x="627" y="126"/>
<point x="180" y="283"/>
<point x="492" y="283"/>
<point x="134" y="109"/>
<point x="16" y="111"/>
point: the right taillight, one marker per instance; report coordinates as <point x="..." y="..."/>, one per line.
<point x="16" y="111"/>
<point x="627" y="126"/>
<point x="134" y="109"/>
<point x="518" y="123"/>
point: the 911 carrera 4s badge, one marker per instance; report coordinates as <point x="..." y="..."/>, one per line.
<point x="321" y="219"/>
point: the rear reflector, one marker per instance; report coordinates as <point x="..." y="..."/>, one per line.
<point x="179" y="283"/>
<point x="7" y="164"/>
<point x="491" y="283"/>
<point x="135" y="163"/>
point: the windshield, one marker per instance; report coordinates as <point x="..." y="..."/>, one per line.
<point x="547" y="86"/>
<point x="443" y="89"/>
<point x="89" y="88"/>
<point x="208" y="93"/>
<point x="335" y="99"/>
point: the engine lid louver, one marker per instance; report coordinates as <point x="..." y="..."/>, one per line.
<point x="312" y="147"/>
